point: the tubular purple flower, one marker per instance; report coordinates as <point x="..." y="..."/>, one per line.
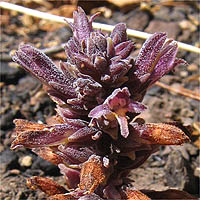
<point x="155" y="59"/>
<point x="116" y="106"/>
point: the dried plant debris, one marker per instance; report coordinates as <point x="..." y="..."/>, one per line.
<point x="96" y="137"/>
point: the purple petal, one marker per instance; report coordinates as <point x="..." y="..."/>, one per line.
<point x="119" y="98"/>
<point x="36" y="62"/>
<point x="71" y="47"/>
<point x="99" y="111"/>
<point x="118" y="70"/>
<point x="148" y="54"/>
<point x="66" y="113"/>
<point x="124" y="49"/>
<point x="110" y="192"/>
<point x="84" y="134"/>
<point x="118" y="34"/>
<point x="100" y="64"/>
<point x="78" y="154"/>
<point x="91" y="196"/>
<point x="87" y="87"/>
<point x="165" y="62"/>
<point x="81" y="27"/>
<point x="72" y="176"/>
<point x="136" y="107"/>
<point x="123" y="123"/>
<point x="99" y="40"/>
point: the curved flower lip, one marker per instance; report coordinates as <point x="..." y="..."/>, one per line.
<point x="115" y="107"/>
<point x="72" y="176"/>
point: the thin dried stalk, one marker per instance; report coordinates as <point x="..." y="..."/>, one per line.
<point x="105" y="27"/>
<point x="181" y="91"/>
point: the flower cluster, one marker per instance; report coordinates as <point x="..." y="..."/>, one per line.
<point x="96" y="138"/>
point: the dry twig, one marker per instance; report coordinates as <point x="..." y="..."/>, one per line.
<point x="105" y="27"/>
<point x="181" y="91"/>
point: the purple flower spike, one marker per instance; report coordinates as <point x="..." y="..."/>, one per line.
<point x="95" y="138"/>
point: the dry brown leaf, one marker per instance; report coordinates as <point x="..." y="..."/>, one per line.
<point x="196" y="126"/>
<point x="163" y="134"/>
<point x="5" y="20"/>
<point x="106" y="12"/>
<point x="47" y="185"/>
<point x="27" y="20"/>
<point x="56" y="119"/>
<point x="186" y="24"/>
<point x="37" y="97"/>
<point x="24" y="125"/>
<point x="60" y="56"/>
<point x="93" y="173"/>
<point x="196" y="133"/>
<point x="48" y="154"/>
<point x="197" y="142"/>
<point x="23" y="129"/>
<point x="177" y="89"/>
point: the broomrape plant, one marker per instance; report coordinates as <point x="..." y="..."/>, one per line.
<point x="96" y="138"/>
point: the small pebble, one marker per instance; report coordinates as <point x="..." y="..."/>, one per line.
<point x="14" y="171"/>
<point x="185" y="24"/>
<point x="197" y="172"/>
<point x="183" y="74"/>
<point x="25" y="161"/>
<point x="193" y="67"/>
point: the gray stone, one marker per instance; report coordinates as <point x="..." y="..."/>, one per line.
<point x="138" y="20"/>
<point x="171" y="28"/>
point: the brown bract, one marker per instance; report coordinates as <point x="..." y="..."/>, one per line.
<point x="93" y="173"/>
<point x="47" y="185"/>
<point x="160" y="133"/>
